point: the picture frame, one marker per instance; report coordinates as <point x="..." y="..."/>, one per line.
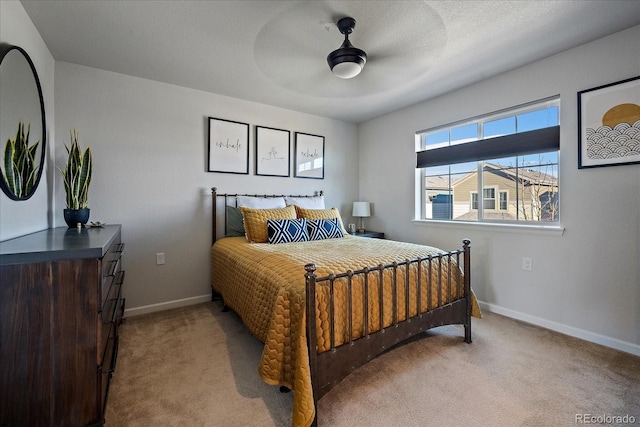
<point x="609" y="124"/>
<point x="309" y="156"/>
<point x="273" y="152"/>
<point x="228" y="146"/>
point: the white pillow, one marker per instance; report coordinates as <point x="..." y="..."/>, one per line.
<point x="315" y="202"/>
<point x="261" y="202"/>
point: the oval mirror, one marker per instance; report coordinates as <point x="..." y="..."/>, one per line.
<point x="22" y="124"/>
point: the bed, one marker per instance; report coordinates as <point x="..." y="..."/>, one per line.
<point x="325" y="304"/>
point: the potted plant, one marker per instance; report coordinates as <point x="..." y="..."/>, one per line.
<point x="76" y="177"/>
<point x="20" y="168"/>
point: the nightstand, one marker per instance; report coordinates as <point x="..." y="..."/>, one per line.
<point x="371" y="234"/>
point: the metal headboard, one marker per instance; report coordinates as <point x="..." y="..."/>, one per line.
<point x="232" y="197"/>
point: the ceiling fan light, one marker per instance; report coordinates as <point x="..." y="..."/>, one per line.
<point x="347" y="62"/>
<point x="347" y="70"/>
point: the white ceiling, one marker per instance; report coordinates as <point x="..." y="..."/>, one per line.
<point x="274" y="52"/>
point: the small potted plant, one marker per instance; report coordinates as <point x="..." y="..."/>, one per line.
<point x="20" y="167"/>
<point x="76" y="177"/>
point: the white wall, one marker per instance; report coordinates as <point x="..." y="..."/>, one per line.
<point x="22" y="217"/>
<point x="585" y="282"/>
<point x="149" y="144"/>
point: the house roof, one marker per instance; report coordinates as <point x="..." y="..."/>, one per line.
<point x="437" y="183"/>
<point x="523" y="174"/>
<point x="274" y="52"/>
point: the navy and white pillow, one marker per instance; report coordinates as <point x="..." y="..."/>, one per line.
<point x="320" y="229"/>
<point x="287" y="230"/>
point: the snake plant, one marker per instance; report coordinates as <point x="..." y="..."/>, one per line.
<point x="20" y="169"/>
<point x="76" y="174"/>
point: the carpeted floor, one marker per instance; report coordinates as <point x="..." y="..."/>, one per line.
<point x="197" y="366"/>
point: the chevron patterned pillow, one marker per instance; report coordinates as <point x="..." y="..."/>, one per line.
<point x="320" y="229"/>
<point x="287" y="230"/>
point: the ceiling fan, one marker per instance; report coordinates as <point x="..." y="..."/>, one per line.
<point x="293" y="49"/>
<point x="347" y="61"/>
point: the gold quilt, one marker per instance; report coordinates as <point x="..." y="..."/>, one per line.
<point x="264" y="283"/>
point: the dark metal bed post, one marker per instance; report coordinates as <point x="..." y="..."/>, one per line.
<point x="310" y="278"/>
<point x="467" y="288"/>
<point x="214" y="203"/>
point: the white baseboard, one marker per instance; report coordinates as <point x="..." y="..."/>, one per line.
<point x="152" y="308"/>
<point x="617" y="344"/>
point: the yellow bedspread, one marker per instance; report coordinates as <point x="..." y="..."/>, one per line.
<point x="265" y="285"/>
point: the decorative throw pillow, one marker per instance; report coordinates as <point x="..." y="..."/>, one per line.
<point x="320" y="214"/>
<point x="320" y="229"/>
<point x="287" y="230"/>
<point x="255" y="221"/>
<point x="260" y="202"/>
<point x="314" y="202"/>
<point x="235" y="227"/>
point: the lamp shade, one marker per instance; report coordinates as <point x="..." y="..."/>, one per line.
<point x="347" y="70"/>
<point x="361" y="209"/>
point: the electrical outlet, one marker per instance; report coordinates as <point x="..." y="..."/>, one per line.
<point x="527" y="264"/>
<point x="160" y="258"/>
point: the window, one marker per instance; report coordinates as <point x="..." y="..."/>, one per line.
<point x="510" y="157"/>
<point x="489" y="199"/>
<point x="504" y="202"/>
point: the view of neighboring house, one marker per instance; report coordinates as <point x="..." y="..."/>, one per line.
<point x="509" y="193"/>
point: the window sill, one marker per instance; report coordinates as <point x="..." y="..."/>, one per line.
<point x="551" y="230"/>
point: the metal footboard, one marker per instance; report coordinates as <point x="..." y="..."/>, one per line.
<point x="329" y="367"/>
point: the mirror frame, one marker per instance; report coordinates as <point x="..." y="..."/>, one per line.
<point x="4" y="50"/>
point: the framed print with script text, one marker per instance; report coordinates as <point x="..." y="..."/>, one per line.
<point x="309" y="156"/>
<point x="228" y="146"/>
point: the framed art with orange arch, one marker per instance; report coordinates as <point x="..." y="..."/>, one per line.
<point x="609" y="124"/>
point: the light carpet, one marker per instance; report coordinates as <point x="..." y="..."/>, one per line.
<point x="197" y="366"/>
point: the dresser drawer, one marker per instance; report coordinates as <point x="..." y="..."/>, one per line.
<point x="112" y="257"/>
<point x="111" y="264"/>
<point x="106" y="371"/>
<point x="110" y="355"/>
<point x="110" y="316"/>
<point x="111" y="294"/>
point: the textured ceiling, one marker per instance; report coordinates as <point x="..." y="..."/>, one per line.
<point x="274" y="52"/>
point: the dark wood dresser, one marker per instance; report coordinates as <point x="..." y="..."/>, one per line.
<point x="60" y="307"/>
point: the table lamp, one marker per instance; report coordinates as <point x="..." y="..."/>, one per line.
<point x="361" y="210"/>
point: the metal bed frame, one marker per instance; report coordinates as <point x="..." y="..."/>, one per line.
<point x="328" y="368"/>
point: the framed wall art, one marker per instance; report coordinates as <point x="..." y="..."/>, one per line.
<point x="273" y="152"/>
<point x="609" y="124"/>
<point x="309" y="156"/>
<point x="228" y="146"/>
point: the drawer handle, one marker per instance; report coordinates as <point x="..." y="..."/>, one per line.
<point x="112" y="320"/>
<point x="114" y="359"/>
<point x="113" y="267"/>
<point x="114" y="314"/>
<point x="119" y="248"/>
